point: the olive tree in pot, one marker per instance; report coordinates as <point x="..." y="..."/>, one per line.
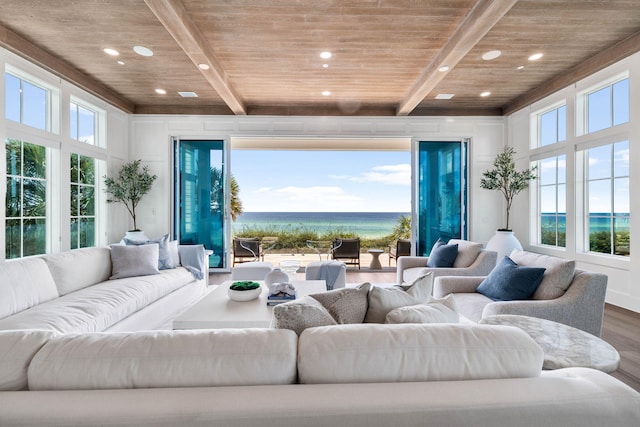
<point x="510" y="182"/>
<point x="131" y="183"/>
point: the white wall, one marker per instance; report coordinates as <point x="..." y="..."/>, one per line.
<point x="622" y="289"/>
<point x="151" y="134"/>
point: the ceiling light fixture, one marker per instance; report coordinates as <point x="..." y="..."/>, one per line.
<point x="520" y="67"/>
<point x="188" y="94"/>
<point x="143" y="51"/>
<point x="326" y="93"/>
<point x="121" y="62"/>
<point x="444" y="96"/>
<point x="111" y="52"/>
<point x="535" y="56"/>
<point x="485" y="94"/>
<point x="492" y="54"/>
<point x="203" y="66"/>
<point x="444" y="68"/>
<point x="325" y="65"/>
<point x="161" y="91"/>
<point x="325" y="55"/>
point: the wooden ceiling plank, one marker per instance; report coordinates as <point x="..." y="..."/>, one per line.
<point x="21" y="47"/>
<point x="481" y="18"/>
<point x="174" y="17"/>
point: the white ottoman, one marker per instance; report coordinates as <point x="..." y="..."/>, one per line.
<point x="330" y="271"/>
<point x="251" y="271"/>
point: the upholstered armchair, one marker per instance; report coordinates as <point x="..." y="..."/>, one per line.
<point x="471" y="260"/>
<point x="565" y="295"/>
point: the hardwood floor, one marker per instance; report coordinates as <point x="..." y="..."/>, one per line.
<point x="620" y="328"/>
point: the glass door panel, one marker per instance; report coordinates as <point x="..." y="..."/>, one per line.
<point x="200" y="196"/>
<point x="442" y="193"/>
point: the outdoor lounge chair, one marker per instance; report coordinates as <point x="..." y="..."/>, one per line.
<point x="346" y="250"/>
<point x="401" y="248"/>
<point x="246" y="250"/>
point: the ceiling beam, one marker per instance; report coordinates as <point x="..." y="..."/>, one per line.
<point x="597" y="62"/>
<point x="24" y="48"/>
<point x="176" y="20"/>
<point x="480" y="19"/>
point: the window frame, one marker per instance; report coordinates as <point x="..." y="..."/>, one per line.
<point x="582" y="104"/>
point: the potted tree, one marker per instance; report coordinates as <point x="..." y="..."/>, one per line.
<point x="130" y="184"/>
<point x="510" y="182"/>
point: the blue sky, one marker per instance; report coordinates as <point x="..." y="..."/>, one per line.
<point x="323" y="181"/>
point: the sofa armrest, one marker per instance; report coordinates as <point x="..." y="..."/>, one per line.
<point x="405" y="262"/>
<point x="445" y="285"/>
<point x="582" y="305"/>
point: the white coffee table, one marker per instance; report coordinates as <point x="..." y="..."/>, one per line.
<point x="216" y="310"/>
<point x="563" y="346"/>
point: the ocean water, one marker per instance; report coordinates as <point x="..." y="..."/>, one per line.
<point x="597" y="222"/>
<point x="364" y="224"/>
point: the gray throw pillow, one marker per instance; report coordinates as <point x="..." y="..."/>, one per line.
<point x="557" y="276"/>
<point x="346" y="305"/>
<point x="130" y="261"/>
<point x="301" y="314"/>
<point x="165" y="256"/>
<point x="383" y="300"/>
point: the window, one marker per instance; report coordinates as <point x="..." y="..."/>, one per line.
<point x="26" y="199"/>
<point x="552" y="210"/>
<point x="82" y="124"/>
<point x="26" y="102"/>
<point x="607" y="106"/>
<point x="607" y="188"/>
<point x="552" y="126"/>
<point x="83" y="201"/>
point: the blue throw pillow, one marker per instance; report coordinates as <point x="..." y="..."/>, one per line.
<point x="443" y="256"/>
<point x="509" y="281"/>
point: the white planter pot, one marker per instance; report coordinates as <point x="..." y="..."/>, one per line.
<point x="136" y="236"/>
<point x="503" y="242"/>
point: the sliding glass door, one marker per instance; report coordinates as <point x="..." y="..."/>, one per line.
<point x="441" y="202"/>
<point x="199" y="196"/>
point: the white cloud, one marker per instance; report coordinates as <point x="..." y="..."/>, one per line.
<point x="387" y="174"/>
<point x="304" y="199"/>
<point x="263" y="190"/>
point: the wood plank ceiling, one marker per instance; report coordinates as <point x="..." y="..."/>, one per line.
<point x="263" y="55"/>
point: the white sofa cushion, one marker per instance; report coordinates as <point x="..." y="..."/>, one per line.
<point x="415" y="352"/>
<point x="557" y="277"/>
<point x="17" y="348"/>
<point x="467" y="252"/>
<point x="442" y="310"/>
<point x="24" y="283"/>
<point x="79" y="268"/>
<point x="97" y="307"/>
<point x="200" y="358"/>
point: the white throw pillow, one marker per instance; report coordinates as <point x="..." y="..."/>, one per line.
<point x="435" y="311"/>
<point x="383" y="300"/>
<point x="130" y="261"/>
<point x="467" y="252"/>
<point x="557" y="277"/>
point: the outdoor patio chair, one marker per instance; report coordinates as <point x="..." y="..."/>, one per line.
<point x="247" y="250"/>
<point x="401" y="248"/>
<point x="347" y="250"/>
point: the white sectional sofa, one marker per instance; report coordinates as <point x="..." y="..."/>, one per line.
<point x="367" y="375"/>
<point x="70" y="292"/>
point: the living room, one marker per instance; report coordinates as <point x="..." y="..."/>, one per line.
<point x="127" y="131"/>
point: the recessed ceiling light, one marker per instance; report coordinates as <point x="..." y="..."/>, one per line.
<point x="144" y="51"/>
<point x="161" y="91"/>
<point x="111" y="52"/>
<point x="188" y="94"/>
<point x="520" y="67"/>
<point x="325" y="65"/>
<point x="492" y="54"/>
<point x="326" y="93"/>
<point x="121" y="62"/>
<point x="444" y="68"/>
<point x="535" y="56"/>
<point x="325" y="55"/>
<point x="485" y="94"/>
<point x="203" y="66"/>
<point x="444" y="96"/>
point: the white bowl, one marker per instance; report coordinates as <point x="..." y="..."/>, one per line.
<point x="248" y="295"/>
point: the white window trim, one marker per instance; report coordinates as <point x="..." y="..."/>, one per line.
<point x="581" y="103"/>
<point x="534" y="126"/>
